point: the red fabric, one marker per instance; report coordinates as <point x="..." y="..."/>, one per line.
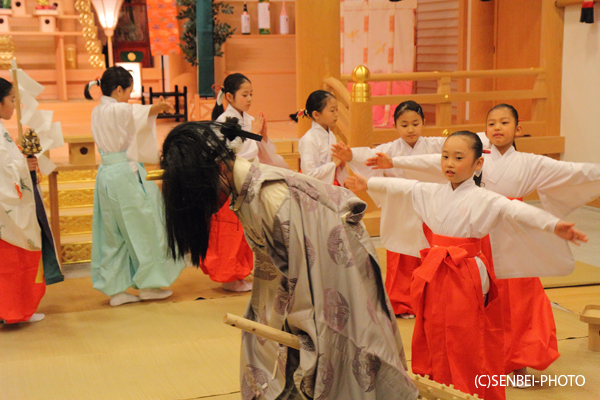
<point x="20" y="294"/>
<point x="229" y="257"/>
<point x="457" y="336"/>
<point x="398" y="277"/>
<point x="529" y="327"/>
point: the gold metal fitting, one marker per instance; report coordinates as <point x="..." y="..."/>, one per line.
<point x="446" y="133"/>
<point x="155" y="175"/>
<point x="361" y="90"/>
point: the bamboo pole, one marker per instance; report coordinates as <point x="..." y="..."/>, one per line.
<point x="428" y="389"/>
<point x="13" y="71"/>
<point x="265" y="331"/>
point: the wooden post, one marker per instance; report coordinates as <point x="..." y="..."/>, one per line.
<point x="61" y="68"/>
<point x="443" y="112"/>
<point x="15" y="82"/>
<point x="317" y="45"/>
<point x="361" y="109"/>
<point x="551" y="61"/>
<point x="54" y="217"/>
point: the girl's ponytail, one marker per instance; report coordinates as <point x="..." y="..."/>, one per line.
<point x="88" y="86"/>
<point x="219" y="109"/>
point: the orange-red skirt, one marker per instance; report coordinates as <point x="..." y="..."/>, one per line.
<point x="22" y="283"/>
<point x="229" y="257"/>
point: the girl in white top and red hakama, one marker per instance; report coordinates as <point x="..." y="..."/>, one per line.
<point x="315" y="146"/>
<point x="530" y="331"/>
<point x="458" y="330"/>
<point x="28" y="259"/>
<point x="229" y="258"/>
<point x="408" y="120"/>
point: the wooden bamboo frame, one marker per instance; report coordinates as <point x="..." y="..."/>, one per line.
<point x="13" y="72"/>
<point x="428" y="389"/>
<point x="435" y="75"/>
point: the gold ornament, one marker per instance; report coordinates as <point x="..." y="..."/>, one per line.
<point x="90" y="33"/>
<point x="7" y="51"/>
<point x="31" y="143"/>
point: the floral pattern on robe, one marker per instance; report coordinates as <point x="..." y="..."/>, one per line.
<point x="317" y="276"/>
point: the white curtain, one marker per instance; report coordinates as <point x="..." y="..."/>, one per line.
<point x="380" y="35"/>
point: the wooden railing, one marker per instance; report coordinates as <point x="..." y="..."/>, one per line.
<point x="356" y="127"/>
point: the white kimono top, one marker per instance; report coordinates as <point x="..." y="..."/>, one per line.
<point x="265" y="150"/>
<point x="118" y="127"/>
<point x="562" y="186"/>
<point x="316" y="157"/>
<point x="18" y="220"/>
<point x="522" y="236"/>
<point x="399" y="148"/>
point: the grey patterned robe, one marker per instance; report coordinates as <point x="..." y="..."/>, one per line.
<point x="317" y="276"/>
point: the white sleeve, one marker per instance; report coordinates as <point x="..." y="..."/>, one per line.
<point x="267" y="154"/>
<point x="428" y="163"/>
<point x="436" y="142"/>
<point x="359" y="157"/>
<point x="309" y="162"/>
<point x="563" y="186"/>
<point x="11" y="173"/>
<point x="144" y="145"/>
<point x="401" y="226"/>
<point x="524" y="244"/>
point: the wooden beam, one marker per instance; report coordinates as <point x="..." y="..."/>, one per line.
<point x="551" y="60"/>
<point x="564" y="3"/>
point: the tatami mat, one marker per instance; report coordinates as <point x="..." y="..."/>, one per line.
<point x="584" y="274"/>
<point x="142" y="351"/>
<point x="77" y="294"/>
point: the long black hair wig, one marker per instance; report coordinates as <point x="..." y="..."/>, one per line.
<point x="193" y="156"/>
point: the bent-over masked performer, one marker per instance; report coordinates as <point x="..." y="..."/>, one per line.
<point x="316" y="272"/>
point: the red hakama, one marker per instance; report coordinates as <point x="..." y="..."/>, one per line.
<point x="229" y="257"/>
<point x="457" y="336"/>
<point x="398" y="278"/>
<point x="529" y="327"/>
<point x="22" y="283"/>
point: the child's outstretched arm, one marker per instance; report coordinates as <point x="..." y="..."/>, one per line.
<point x="161" y="107"/>
<point x="356" y="183"/>
<point x="382" y="161"/>
<point x="567" y="231"/>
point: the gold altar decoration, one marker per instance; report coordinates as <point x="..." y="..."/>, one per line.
<point x="73" y="198"/>
<point x="90" y="32"/>
<point x="78" y="175"/>
<point x="7" y="51"/>
<point x="76" y="253"/>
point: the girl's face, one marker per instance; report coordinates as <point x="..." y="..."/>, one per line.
<point x="501" y="129"/>
<point x="329" y="115"/>
<point x="7" y="106"/>
<point x="409" y="126"/>
<point x="242" y="99"/>
<point x="458" y="160"/>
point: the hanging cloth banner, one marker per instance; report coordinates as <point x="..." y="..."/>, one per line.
<point x="206" y="60"/>
<point x="162" y="27"/>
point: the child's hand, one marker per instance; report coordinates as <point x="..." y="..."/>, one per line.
<point x="32" y="162"/>
<point x="338" y="162"/>
<point x="164" y="105"/>
<point x="356" y="183"/>
<point x="342" y="151"/>
<point x="263" y="132"/>
<point x="382" y="161"/>
<point x="567" y="231"/>
<point x="258" y="125"/>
